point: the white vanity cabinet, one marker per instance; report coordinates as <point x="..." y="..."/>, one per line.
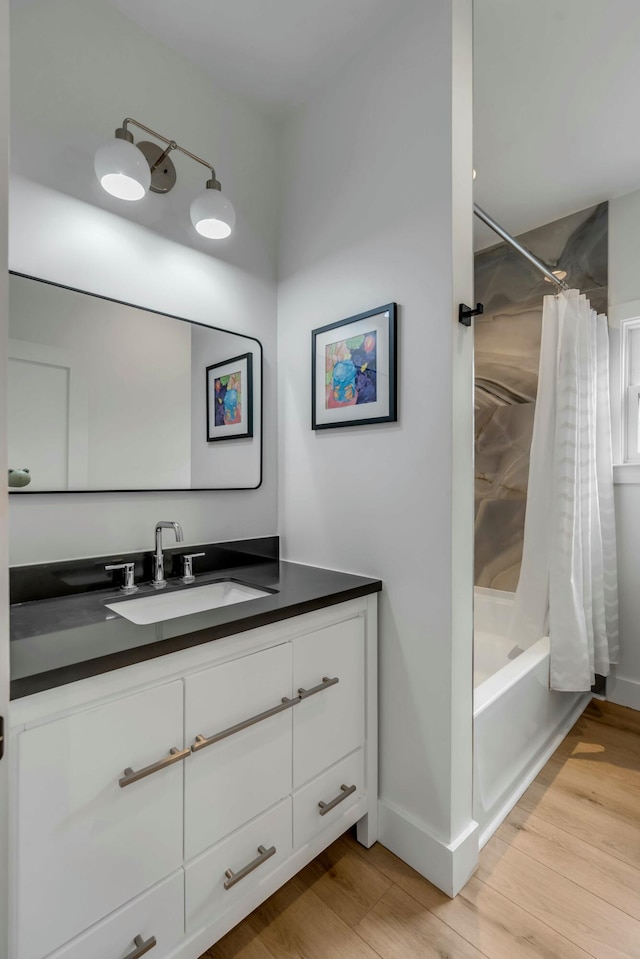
<point x="157" y="805"/>
<point x="328" y="798"/>
<point x="329" y="677"/>
<point x="221" y="877"/>
<point x="242" y="759"/>
<point x="153" y="921"/>
<point x="85" y="843"/>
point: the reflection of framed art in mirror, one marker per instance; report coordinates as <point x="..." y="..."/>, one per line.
<point x="230" y="399"/>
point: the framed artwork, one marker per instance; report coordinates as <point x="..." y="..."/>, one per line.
<point x="353" y="370"/>
<point x="230" y="399"/>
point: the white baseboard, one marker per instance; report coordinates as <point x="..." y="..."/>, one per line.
<point x="447" y="865"/>
<point x="624" y="692"/>
<point x="540" y="760"/>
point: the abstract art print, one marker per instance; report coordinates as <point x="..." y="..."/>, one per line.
<point x="354" y="370"/>
<point x="350" y="367"/>
<point x="230" y="399"/>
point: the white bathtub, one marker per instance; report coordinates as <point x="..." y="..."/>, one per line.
<point x="518" y="720"/>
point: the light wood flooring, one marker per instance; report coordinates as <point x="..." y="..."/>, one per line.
<point x="561" y="877"/>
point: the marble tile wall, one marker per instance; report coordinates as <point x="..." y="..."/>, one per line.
<point x="507" y="353"/>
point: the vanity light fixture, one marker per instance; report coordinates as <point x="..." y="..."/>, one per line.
<point x="128" y="170"/>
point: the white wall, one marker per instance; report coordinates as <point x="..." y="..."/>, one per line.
<point x="79" y="68"/>
<point x="624" y="236"/>
<point x="67" y="97"/>
<point x="238" y="460"/>
<point x="4" y="532"/>
<point x="624" y="295"/>
<point x="545" y="145"/>
<point x="372" y="165"/>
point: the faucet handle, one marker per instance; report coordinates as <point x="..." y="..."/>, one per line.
<point x="129" y="585"/>
<point x="187" y="567"/>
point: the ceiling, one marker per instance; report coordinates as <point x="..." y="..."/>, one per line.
<point x="556" y="124"/>
<point x="278" y="51"/>
<point x="556" y="127"/>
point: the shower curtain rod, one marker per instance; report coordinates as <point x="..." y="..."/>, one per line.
<point x="539" y="265"/>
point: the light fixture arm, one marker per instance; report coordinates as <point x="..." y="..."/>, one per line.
<point x="171" y="145"/>
<point x="165" y="153"/>
<point x="127" y="170"/>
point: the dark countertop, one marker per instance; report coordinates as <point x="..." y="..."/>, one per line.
<point x="63" y="639"/>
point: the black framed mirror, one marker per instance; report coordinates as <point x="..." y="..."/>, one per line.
<point x="105" y="395"/>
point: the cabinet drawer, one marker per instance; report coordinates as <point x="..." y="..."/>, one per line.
<point x="85" y="844"/>
<point x="329" y="721"/>
<point x="237" y="776"/>
<point x="157" y="915"/>
<point x="324" y="800"/>
<point x="245" y="857"/>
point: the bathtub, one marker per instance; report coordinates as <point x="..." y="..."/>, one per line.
<point x="518" y="721"/>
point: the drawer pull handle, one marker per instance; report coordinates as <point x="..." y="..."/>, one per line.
<point x="234" y="877"/>
<point x="133" y="775"/>
<point x="326" y="682"/>
<point x="141" y="947"/>
<point x="202" y="741"/>
<point x="345" y="791"/>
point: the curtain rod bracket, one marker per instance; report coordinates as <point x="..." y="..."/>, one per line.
<point x="466" y="312"/>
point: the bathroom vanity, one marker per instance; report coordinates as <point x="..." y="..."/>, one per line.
<point x="169" y="777"/>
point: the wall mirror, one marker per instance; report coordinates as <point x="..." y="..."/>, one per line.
<point x="104" y="395"/>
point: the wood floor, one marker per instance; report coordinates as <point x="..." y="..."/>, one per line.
<point x="561" y="878"/>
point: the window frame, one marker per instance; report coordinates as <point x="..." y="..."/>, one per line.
<point x="629" y="394"/>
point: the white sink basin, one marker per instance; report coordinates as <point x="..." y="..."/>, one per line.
<point x="157" y="607"/>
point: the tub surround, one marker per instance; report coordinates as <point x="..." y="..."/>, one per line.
<point x="59" y="636"/>
<point x="507" y="355"/>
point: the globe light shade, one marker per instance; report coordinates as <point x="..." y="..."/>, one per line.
<point x="213" y="215"/>
<point x="122" y="170"/>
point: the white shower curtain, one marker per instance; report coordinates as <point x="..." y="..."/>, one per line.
<point x="568" y="580"/>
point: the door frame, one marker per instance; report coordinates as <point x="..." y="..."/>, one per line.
<point x="78" y="403"/>
<point x="4" y="500"/>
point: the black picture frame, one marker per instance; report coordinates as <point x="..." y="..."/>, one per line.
<point x="383" y="410"/>
<point x="222" y="433"/>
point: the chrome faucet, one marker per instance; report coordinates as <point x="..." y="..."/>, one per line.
<point x="158" y="580"/>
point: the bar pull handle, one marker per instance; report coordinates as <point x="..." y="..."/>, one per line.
<point x="345" y="791"/>
<point x="133" y="775"/>
<point x="141" y="947"/>
<point x="202" y="741"/>
<point x="326" y="682"/>
<point x="234" y="877"/>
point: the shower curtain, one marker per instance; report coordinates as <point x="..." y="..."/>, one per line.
<point x="568" y="580"/>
